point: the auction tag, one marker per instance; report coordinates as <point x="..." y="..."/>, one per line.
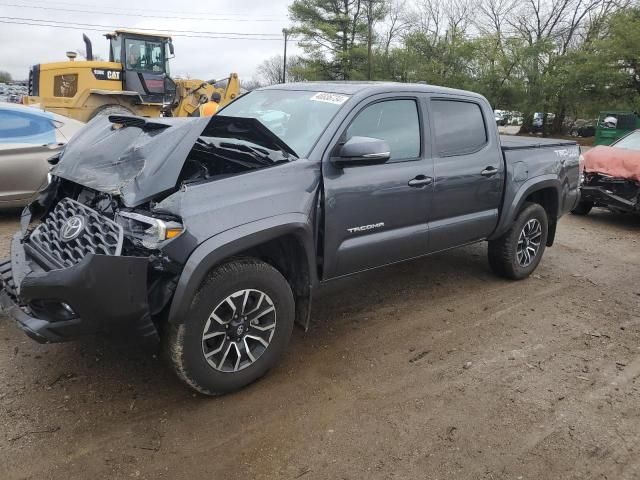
<point x="327" y="97"/>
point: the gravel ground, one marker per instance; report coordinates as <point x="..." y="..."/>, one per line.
<point x="431" y="369"/>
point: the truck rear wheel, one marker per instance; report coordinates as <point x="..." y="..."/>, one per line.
<point x="238" y="326"/>
<point x="517" y="253"/>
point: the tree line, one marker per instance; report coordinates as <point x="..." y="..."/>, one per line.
<point x="571" y="58"/>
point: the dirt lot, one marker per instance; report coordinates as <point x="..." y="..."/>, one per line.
<point x="380" y="387"/>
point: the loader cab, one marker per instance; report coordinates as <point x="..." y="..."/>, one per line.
<point x="145" y="65"/>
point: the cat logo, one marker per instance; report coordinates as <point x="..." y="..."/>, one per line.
<point x="102" y="74"/>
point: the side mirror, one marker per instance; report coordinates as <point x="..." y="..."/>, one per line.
<point x="363" y="150"/>
<point x="171" y="51"/>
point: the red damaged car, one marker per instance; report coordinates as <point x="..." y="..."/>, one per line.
<point x="611" y="177"/>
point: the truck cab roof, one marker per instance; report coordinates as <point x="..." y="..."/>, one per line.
<point x="365" y="88"/>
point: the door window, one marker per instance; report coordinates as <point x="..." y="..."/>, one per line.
<point x="459" y="127"/>
<point x="145" y="55"/>
<point x="21" y="127"/>
<point x="116" y="49"/>
<point x="394" y="121"/>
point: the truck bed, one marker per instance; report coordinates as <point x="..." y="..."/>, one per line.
<point x="514" y="142"/>
<point x="535" y="161"/>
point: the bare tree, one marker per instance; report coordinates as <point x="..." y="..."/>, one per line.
<point x="492" y="16"/>
<point x="270" y="70"/>
<point x="442" y="20"/>
<point x="396" y="23"/>
<point x="250" y="84"/>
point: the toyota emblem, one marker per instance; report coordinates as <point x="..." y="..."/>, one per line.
<point x="72" y="228"/>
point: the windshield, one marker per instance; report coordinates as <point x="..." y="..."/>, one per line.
<point x="144" y="55"/>
<point x="630" y="142"/>
<point x="297" y="117"/>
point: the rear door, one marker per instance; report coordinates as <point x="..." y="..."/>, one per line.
<point x="468" y="172"/>
<point x="26" y="141"/>
<point x="377" y="214"/>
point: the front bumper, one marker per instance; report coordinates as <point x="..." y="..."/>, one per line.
<point x="100" y="293"/>
<point x="601" y="196"/>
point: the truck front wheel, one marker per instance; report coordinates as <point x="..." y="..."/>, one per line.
<point x="517" y="253"/>
<point x="238" y="326"/>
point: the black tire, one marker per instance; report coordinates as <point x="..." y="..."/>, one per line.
<point x="503" y="252"/>
<point x="583" y="208"/>
<point x="186" y="346"/>
<point x="110" y="110"/>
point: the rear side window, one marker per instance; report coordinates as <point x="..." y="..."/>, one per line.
<point x="394" y="121"/>
<point x="21" y="127"/>
<point x="459" y="127"/>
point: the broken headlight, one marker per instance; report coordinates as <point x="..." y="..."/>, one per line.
<point x="150" y="232"/>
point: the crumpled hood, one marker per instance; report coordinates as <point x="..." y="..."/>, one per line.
<point x="138" y="158"/>
<point x="612" y="161"/>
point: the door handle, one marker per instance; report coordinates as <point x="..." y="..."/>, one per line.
<point x="489" y="172"/>
<point x="420" y="181"/>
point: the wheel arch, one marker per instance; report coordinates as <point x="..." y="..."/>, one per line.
<point x="286" y="242"/>
<point x="545" y="191"/>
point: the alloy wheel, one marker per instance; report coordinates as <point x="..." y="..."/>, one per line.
<point x="239" y="330"/>
<point x="529" y="242"/>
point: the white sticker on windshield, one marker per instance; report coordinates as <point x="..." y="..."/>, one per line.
<point x="327" y="97"/>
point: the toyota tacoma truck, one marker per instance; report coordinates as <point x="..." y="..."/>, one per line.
<point x="208" y="236"/>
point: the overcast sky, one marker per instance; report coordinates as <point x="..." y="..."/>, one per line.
<point x="205" y="58"/>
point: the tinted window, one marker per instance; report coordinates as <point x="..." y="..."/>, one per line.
<point x="459" y="127"/>
<point x="394" y="121"/>
<point x="22" y="127"/>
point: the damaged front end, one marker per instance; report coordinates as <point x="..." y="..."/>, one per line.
<point x="95" y="252"/>
<point x="88" y="266"/>
<point x="617" y="194"/>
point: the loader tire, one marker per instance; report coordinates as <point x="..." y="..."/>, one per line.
<point x="110" y="110"/>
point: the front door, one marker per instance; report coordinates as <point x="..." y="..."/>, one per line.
<point x="377" y="214"/>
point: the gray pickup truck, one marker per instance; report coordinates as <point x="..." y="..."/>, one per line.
<point x="211" y="234"/>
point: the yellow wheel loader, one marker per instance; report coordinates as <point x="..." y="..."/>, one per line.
<point x="135" y="80"/>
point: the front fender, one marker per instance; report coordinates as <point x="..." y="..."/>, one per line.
<point x="514" y="200"/>
<point x="218" y="248"/>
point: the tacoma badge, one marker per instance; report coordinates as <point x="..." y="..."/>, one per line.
<point x="364" y="228"/>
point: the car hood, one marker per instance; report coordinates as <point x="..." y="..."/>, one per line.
<point x="612" y="161"/>
<point x="138" y="158"/>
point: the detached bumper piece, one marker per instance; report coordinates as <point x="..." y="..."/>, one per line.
<point x="56" y="296"/>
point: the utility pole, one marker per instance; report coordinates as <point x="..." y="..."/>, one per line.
<point x="285" y="32"/>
